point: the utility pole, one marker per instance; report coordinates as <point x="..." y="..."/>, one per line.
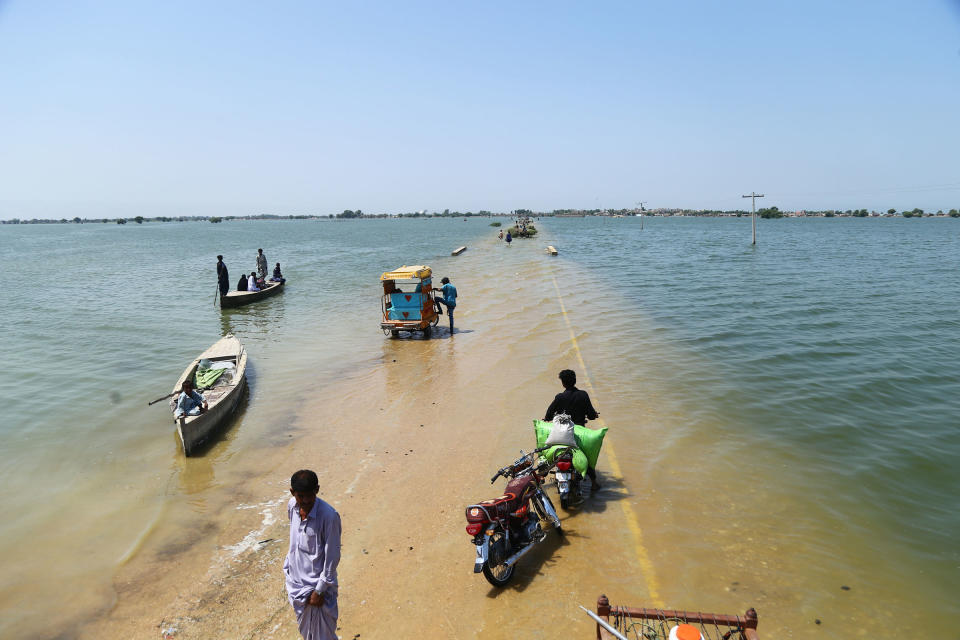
<point x="753" y="197"/>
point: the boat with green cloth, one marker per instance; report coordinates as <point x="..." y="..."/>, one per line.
<point x="219" y="374"/>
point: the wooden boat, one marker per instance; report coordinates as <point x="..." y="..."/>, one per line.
<point x="240" y="298"/>
<point x="222" y="398"/>
<point x="458" y="251"/>
<point x="552" y="250"/>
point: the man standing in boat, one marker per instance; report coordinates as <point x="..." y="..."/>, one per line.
<point x="310" y="570"/>
<point x="223" y="278"/>
<point x="576" y="404"/>
<point x="261" y="264"/>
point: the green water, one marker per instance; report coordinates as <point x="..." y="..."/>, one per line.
<point x="807" y="391"/>
<point x="798" y="399"/>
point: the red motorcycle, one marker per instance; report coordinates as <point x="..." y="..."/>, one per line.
<point x="506" y="528"/>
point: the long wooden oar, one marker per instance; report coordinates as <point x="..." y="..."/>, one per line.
<point x="163" y="398"/>
<point x="216" y="294"/>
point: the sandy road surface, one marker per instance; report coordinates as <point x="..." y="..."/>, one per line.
<point x="400" y="450"/>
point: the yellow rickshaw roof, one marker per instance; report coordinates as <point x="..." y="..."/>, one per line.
<point x="418" y="271"/>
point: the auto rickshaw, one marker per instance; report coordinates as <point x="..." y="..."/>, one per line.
<point x="407" y="301"/>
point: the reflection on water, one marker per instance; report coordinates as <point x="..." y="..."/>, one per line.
<point x="195" y="474"/>
<point x="258" y="319"/>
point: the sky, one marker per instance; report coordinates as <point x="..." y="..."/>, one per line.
<point x="118" y="108"/>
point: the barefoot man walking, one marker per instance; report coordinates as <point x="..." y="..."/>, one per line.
<point x="311" y="565"/>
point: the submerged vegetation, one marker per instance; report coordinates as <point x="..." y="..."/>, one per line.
<point x="494" y="224"/>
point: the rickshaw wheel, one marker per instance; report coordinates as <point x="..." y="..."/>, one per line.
<point x="435" y="321"/>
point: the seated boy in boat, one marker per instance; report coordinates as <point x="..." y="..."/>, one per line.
<point x="277" y="275"/>
<point x="189" y="402"/>
<point x="252" y="282"/>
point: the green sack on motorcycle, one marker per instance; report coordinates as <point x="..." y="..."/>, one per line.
<point x="589" y="440"/>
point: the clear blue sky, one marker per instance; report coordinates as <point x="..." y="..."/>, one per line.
<point x="167" y="108"/>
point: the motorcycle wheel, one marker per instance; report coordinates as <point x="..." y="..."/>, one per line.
<point x="495" y="570"/>
<point x="564" y="502"/>
<point x="543" y="512"/>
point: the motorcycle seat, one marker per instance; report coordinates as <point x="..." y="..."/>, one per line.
<point x="496" y="508"/>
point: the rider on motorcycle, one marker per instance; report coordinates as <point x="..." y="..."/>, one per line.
<point x="575" y="403"/>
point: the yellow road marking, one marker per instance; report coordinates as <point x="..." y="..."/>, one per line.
<point x="646" y="567"/>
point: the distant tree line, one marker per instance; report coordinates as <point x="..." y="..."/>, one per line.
<point x="766" y="212"/>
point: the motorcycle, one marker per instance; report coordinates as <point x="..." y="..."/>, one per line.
<point x="507" y="528"/>
<point x="569" y="480"/>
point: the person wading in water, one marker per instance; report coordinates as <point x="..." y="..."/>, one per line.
<point x="449" y="298"/>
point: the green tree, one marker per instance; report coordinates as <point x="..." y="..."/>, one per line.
<point x="891" y="211"/>
<point x="77" y="220"/>
<point x="953" y="213"/>
<point x="770" y="212"/>
<point x="138" y="219"/>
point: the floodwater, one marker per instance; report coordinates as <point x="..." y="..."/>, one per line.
<point x="782" y="417"/>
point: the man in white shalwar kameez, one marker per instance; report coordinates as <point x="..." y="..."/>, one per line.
<point x="311" y="565"/>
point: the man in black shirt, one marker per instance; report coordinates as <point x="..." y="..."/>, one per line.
<point x="223" y="276"/>
<point x="575" y="403"/>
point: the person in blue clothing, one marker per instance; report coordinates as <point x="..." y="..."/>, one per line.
<point x="189" y="402"/>
<point x="449" y="299"/>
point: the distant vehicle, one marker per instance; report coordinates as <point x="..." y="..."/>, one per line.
<point x="407" y="301"/>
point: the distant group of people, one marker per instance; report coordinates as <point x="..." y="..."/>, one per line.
<point x="256" y="281"/>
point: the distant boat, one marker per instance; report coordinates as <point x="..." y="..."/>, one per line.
<point x="240" y="298"/>
<point x="222" y="398"/>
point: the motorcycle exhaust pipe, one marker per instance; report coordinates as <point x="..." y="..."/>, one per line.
<point x="512" y="560"/>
